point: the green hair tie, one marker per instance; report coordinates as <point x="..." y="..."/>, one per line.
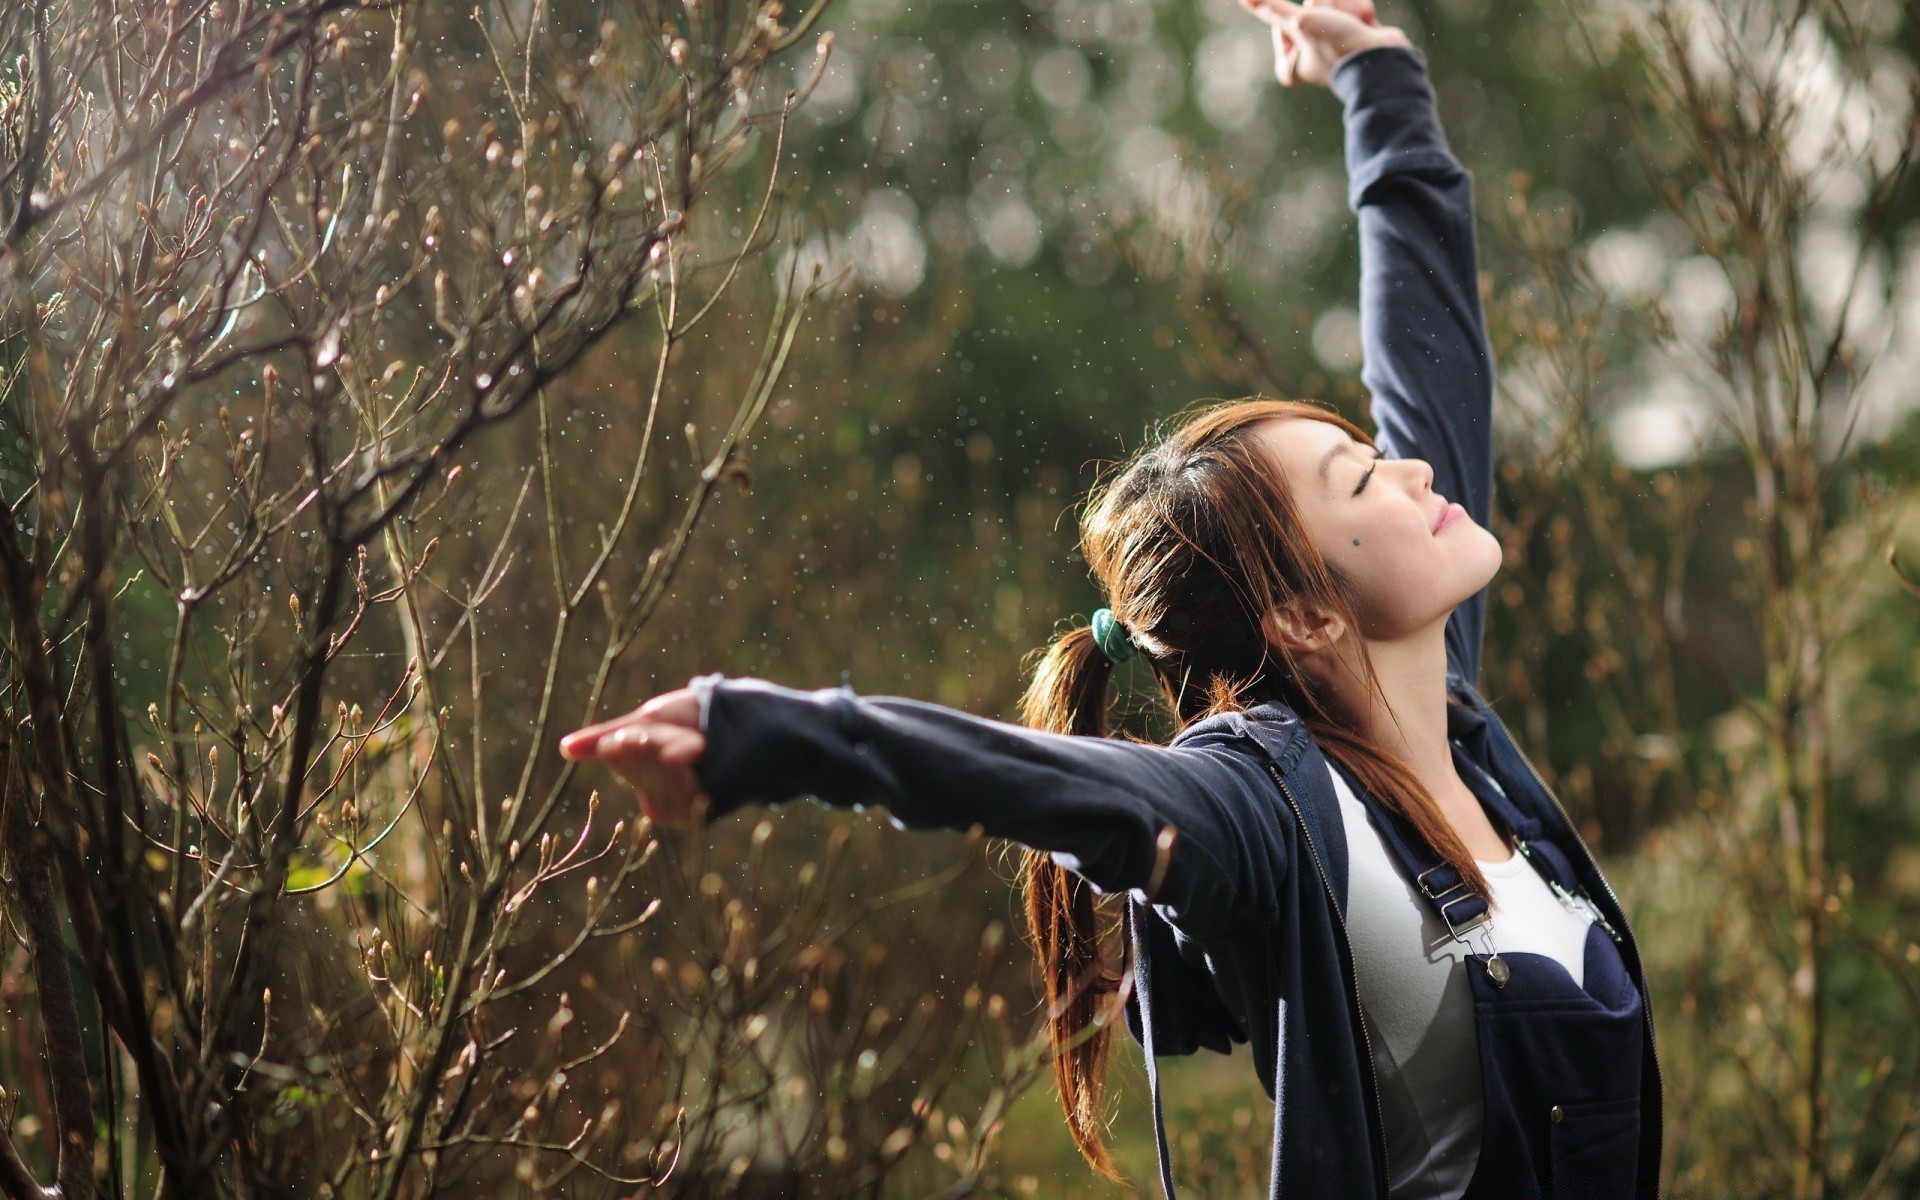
<point x="1111" y="636"/>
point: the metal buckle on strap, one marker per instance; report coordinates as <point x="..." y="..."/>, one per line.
<point x="1577" y="899"/>
<point x="1587" y="905"/>
<point x="1446" y="898"/>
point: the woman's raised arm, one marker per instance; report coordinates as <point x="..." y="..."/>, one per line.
<point x="1423" y="338"/>
<point x="1099" y="805"/>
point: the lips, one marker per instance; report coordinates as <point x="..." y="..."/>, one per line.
<point x="1448" y="515"/>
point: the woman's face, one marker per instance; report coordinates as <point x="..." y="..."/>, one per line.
<point x="1409" y="554"/>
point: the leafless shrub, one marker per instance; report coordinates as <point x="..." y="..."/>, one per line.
<point x="286" y="292"/>
<point x="1717" y="668"/>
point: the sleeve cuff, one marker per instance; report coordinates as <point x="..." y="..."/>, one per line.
<point x="1391" y="125"/>
<point x="702" y="687"/>
<point x="1368" y="74"/>
<point x="726" y="775"/>
<point x="767" y="744"/>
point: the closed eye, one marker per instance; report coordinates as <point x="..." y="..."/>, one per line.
<point x="1369" y="475"/>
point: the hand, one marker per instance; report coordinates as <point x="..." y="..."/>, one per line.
<point x="1310" y="38"/>
<point x="654" y="748"/>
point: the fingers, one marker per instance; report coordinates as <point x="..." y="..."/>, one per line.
<point x="1286" y="55"/>
<point x="579" y="745"/>
<point x="583" y="743"/>
<point x="1325" y="22"/>
<point x="1302" y="31"/>
<point x="658" y="761"/>
<point x="1282" y="17"/>
<point x="655" y="748"/>
<point x="1311" y="37"/>
<point x="681" y="708"/>
<point x="1362" y="9"/>
<point x="636" y="739"/>
<point x="1273" y="12"/>
<point x="671" y="745"/>
<point x="659" y="768"/>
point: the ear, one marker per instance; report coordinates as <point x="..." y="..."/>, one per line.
<point x="1302" y="629"/>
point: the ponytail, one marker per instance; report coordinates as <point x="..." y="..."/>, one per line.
<point x="1066" y="920"/>
<point x="1069" y="695"/>
<point x="1195" y="541"/>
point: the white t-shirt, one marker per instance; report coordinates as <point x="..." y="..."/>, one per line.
<point x="1418" y="1005"/>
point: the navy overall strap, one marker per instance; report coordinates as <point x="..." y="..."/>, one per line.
<point x="1547" y="858"/>
<point x="1143" y="995"/>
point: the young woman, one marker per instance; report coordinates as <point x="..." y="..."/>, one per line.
<point x="1343" y="858"/>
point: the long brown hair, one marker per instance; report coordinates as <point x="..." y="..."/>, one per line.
<point x="1193" y="542"/>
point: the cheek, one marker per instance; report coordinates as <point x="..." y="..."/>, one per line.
<point x="1386" y="553"/>
<point x="1385" y="569"/>
<point x="1398" y="571"/>
<point x="1391" y="542"/>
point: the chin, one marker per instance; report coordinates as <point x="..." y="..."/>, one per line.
<point x="1462" y="586"/>
<point x="1496" y="557"/>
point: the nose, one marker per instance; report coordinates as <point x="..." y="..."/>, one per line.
<point x="1420" y="471"/>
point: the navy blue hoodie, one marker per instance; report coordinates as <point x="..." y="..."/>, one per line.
<point x="1250" y="942"/>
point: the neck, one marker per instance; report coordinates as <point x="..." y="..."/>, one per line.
<point x="1407" y="716"/>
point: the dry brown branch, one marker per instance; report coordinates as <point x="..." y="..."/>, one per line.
<point x="275" y="278"/>
<point x="1717" y="99"/>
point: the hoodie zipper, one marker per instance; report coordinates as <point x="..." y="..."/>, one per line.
<point x="1379" y="1139"/>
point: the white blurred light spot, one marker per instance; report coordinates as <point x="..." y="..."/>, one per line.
<point x="1061" y="77"/>
<point x="1229" y="71"/>
<point x="820" y="259"/>
<point x="949" y="227"/>
<point x="1143" y="153"/>
<point x="1011" y="231"/>
<point x="893" y="127"/>
<point x="1154" y="81"/>
<point x="1299" y="223"/>
<point x="1698" y="297"/>
<point x="1627" y="263"/>
<point x="1837" y="276"/>
<point x="837" y="94"/>
<point x="888" y="250"/>
<point x="1664" y="429"/>
<point x="1336" y="339"/>
<point x="993" y="63"/>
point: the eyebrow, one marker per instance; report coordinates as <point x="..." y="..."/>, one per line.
<point x="1326" y="460"/>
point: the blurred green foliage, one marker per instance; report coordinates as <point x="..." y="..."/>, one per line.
<point x="1053" y="226"/>
<point x="1030" y="205"/>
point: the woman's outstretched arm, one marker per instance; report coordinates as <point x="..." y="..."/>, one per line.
<point x="1098" y="805"/>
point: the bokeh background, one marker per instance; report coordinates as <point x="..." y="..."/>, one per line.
<point x="1040" y="230"/>
<point x="1059" y="224"/>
